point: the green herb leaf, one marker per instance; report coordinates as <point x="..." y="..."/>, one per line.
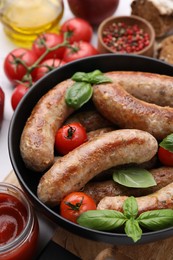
<point x="156" y="219"/>
<point x="100" y="79"/>
<point x="167" y="143"/>
<point x="78" y="94"/>
<point x="134" y="177"/>
<point x="81" y="91"/>
<point x="101" y="219"/>
<point x="80" y="77"/>
<point x="133" y="230"/>
<point x="130" y="207"/>
<point x="94" y="77"/>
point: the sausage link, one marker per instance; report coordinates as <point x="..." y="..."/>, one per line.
<point x="95" y="133"/>
<point x="90" y="119"/>
<point x="98" y="190"/>
<point x="150" y="87"/>
<point x="38" y="136"/>
<point x="123" y="109"/>
<point x="161" y="199"/>
<point x="74" y="170"/>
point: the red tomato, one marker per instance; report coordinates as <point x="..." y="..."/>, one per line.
<point x="74" y="204"/>
<point x="2" y="102"/>
<point x="165" y="156"/>
<point x="78" y="29"/>
<point x="45" y="67"/>
<point x="69" y="137"/>
<point x="18" y="94"/>
<point x="79" y="50"/>
<point x="15" y="71"/>
<point x="48" y="40"/>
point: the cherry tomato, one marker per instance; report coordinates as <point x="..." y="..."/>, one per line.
<point x="13" y="69"/>
<point x="48" y="40"/>
<point x="78" y="29"/>
<point x="74" y="204"/>
<point x="69" y="137"/>
<point x="18" y="94"/>
<point x="46" y="66"/>
<point x="79" y="50"/>
<point x="2" y="102"/>
<point x="165" y="156"/>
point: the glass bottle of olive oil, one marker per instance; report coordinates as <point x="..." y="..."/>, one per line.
<point x="24" y="20"/>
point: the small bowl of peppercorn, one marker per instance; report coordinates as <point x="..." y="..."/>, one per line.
<point x="126" y="35"/>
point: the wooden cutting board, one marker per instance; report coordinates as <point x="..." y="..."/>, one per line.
<point x="93" y="250"/>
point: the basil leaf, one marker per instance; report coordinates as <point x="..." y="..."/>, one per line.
<point x="80" y="77"/>
<point x="100" y="79"/>
<point x="133" y="230"/>
<point x="130" y="207"/>
<point x="94" y="77"/>
<point x="101" y="219"/>
<point x="78" y="94"/>
<point x="167" y="143"/>
<point x="156" y="219"/>
<point x="93" y="74"/>
<point x="134" y="177"/>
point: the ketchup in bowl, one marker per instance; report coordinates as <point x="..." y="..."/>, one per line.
<point x="18" y="225"/>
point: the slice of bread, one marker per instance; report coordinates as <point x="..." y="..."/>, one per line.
<point x="158" y="12"/>
<point x="165" y="50"/>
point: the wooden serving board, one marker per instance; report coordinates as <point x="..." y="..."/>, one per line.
<point x="92" y="250"/>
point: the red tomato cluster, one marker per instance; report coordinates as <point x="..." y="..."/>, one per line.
<point x="25" y="66"/>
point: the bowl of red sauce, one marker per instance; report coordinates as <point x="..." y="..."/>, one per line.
<point x="126" y="35"/>
<point x="18" y="225"/>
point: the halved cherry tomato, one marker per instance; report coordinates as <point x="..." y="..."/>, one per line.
<point x="13" y="69"/>
<point x="46" y="66"/>
<point x="165" y="156"/>
<point x="79" y="50"/>
<point x="18" y="94"/>
<point x="48" y="40"/>
<point x="74" y="204"/>
<point x="69" y="137"/>
<point x="78" y="29"/>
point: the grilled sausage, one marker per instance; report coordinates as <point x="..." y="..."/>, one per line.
<point x="98" y="190"/>
<point x="74" y="170"/>
<point x="150" y="87"/>
<point x="161" y="199"/>
<point x="90" y="119"/>
<point x="38" y="136"/>
<point x="123" y="109"/>
<point x="95" y="133"/>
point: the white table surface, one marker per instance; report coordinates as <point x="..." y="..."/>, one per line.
<point x="5" y="47"/>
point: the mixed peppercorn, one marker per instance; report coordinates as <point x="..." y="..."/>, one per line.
<point x="124" y="38"/>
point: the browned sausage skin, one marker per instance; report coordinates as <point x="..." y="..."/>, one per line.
<point x="161" y="199"/>
<point x="38" y="136"/>
<point x="123" y="109"/>
<point x="90" y="119"/>
<point x="150" y="87"/>
<point x="74" y="170"/>
<point x="98" y="190"/>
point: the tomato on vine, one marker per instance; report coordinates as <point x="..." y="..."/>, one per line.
<point x="165" y="151"/>
<point x="13" y="67"/>
<point x="49" y="40"/>
<point x="74" y="204"/>
<point x="18" y="93"/>
<point x="69" y="137"/>
<point x="46" y="66"/>
<point x="78" y="30"/>
<point x="79" y="50"/>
